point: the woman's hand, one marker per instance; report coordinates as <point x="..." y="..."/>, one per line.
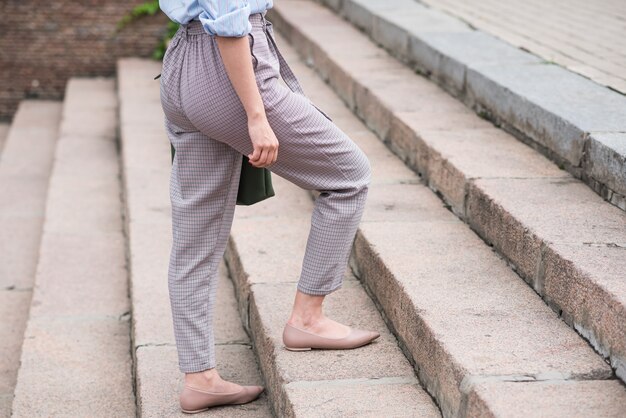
<point x="237" y="60"/>
<point x="264" y="142"/>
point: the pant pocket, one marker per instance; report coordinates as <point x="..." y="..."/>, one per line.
<point x="320" y="110"/>
<point x="255" y="61"/>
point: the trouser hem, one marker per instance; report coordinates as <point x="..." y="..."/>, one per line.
<point x="195" y="368"/>
<point x="317" y="292"/>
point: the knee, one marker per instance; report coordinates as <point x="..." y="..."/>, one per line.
<point x="363" y="171"/>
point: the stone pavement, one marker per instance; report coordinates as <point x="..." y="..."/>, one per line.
<point x="75" y="359"/>
<point x="574" y="121"/>
<point x="25" y="166"/>
<point x="587" y="37"/>
<point x="4" y="130"/>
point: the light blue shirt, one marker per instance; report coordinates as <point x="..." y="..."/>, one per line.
<point x="218" y="17"/>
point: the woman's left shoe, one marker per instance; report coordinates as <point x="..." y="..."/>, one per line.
<point x="297" y="339"/>
<point x="193" y="400"/>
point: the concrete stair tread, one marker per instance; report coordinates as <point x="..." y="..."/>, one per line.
<point x="462" y="315"/>
<point x="75" y="359"/>
<point x="146" y="163"/>
<point x="371" y="380"/>
<point x="27" y="150"/>
<point x="4" y="131"/>
<point x="14" y="307"/>
<point x="25" y="166"/>
<point x="515" y="198"/>
<point x="602" y="398"/>
<point x="580" y="123"/>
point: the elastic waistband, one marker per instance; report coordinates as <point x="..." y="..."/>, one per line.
<point x="259" y="23"/>
<point x="194" y="27"/>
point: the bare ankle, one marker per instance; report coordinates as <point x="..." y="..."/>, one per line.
<point x="204" y="376"/>
<point x="305" y="320"/>
<point x="307" y="310"/>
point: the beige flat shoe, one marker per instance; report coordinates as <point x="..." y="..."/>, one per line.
<point x="193" y="400"/>
<point x="297" y="339"/>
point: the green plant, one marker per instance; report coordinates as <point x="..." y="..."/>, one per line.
<point x="483" y="114"/>
<point x="150" y="8"/>
<point x="159" y="51"/>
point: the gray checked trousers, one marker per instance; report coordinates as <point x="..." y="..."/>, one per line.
<point x="207" y="125"/>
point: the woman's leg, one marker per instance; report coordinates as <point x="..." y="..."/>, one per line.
<point x="203" y="190"/>
<point x="313" y="154"/>
<point x="208" y="127"/>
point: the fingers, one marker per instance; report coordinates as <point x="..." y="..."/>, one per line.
<point x="264" y="143"/>
<point x="270" y="155"/>
<point x="262" y="156"/>
<point x="255" y="155"/>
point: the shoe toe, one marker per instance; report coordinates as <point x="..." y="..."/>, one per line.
<point x="252" y="392"/>
<point x="365" y="336"/>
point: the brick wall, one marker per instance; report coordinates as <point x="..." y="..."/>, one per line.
<point x="43" y="43"/>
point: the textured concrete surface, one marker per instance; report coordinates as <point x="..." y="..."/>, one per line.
<point x="455" y="157"/>
<point x="147" y="165"/>
<point x="489" y="179"/>
<point x="384" y="397"/>
<point x="607" y="161"/>
<point x="554" y="107"/>
<point x="4" y="130"/>
<point x="448" y="55"/>
<point x="463" y="316"/>
<point x="568" y="244"/>
<point x="551" y="105"/>
<point x="14" y="306"/>
<point x="75" y="366"/>
<point x="549" y="29"/>
<point x="75" y="359"/>
<point x="567" y="269"/>
<point x="602" y="399"/>
<point x="265" y="269"/>
<point x="25" y="165"/>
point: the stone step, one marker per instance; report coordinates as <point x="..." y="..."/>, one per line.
<point x="75" y="359"/>
<point x="467" y="321"/>
<point x="25" y="165"/>
<point x="4" y="131"/>
<point x="558" y="235"/>
<point x="264" y="256"/>
<point x="146" y="167"/>
<point x="571" y="119"/>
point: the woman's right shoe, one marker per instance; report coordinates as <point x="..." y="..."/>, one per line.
<point x="194" y="400"/>
<point x="297" y="339"/>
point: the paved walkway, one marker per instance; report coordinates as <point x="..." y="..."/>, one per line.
<point x="586" y="37"/>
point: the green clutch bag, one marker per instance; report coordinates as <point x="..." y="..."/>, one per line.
<point x="255" y="183"/>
